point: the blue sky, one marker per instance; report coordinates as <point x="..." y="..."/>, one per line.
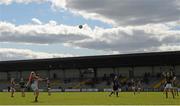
<point x="20" y="14"/>
<point x="23" y="13"/>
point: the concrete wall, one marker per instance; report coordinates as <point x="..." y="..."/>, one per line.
<point x="90" y="73"/>
<point x="139" y="71"/>
<point x="102" y="71"/>
<point x="3" y="76"/>
<point x="43" y="73"/>
<point x="72" y="73"/>
<point x="177" y="70"/>
<point x="25" y="74"/>
<point x="59" y="74"/>
<point x="124" y="71"/>
<point x="15" y="75"/>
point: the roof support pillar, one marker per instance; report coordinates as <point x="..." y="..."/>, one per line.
<point x="48" y="73"/>
<point x="152" y="71"/>
<point x="20" y="74"/>
<point x="8" y="76"/>
<point x="95" y="73"/>
<point x="64" y="74"/>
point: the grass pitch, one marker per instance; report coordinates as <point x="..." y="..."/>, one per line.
<point x="90" y="98"/>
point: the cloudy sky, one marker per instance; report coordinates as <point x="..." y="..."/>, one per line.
<point x="31" y="29"/>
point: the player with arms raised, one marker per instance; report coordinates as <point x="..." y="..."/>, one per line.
<point x="34" y="83"/>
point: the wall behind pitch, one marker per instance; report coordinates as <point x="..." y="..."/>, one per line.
<point x="177" y="70"/>
<point x="43" y="73"/>
<point x="25" y="74"/>
<point x="72" y="73"/>
<point x="102" y="71"/>
<point x="14" y="74"/>
<point x="59" y="74"/>
<point x="139" y="71"/>
<point x="123" y="71"/>
<point x="3" y="76"/>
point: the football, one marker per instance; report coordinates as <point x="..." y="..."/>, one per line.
<point x="80" y="26"/>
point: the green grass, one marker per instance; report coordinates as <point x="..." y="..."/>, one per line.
<point x="90" y="98"/>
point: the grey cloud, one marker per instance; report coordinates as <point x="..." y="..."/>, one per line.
<point x="130" y="12"/>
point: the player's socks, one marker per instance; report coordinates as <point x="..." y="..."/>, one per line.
<point x="12" y="94"/>
<point x="173" y="95"/>
<point x="166" y="94"/>
<point x="111" y="93"/>
<point x="117" y="94"/>
<point x="36" y="99"/>
<point x="177" y="93"/>
<point x="49" y="94"/>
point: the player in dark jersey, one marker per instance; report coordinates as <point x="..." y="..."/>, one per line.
<point x="175" y="87"/>
<point x="22" y="87"/>
<point x="115" y="86"/>
<point x="48" y="86"/>
<point x="12" y="88"/>
<point x="168" y="86"/>
<point x="133" y="86"/>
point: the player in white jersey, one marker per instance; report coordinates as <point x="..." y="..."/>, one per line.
<point x="34" y="83"/>
<point x="12" y="88"/>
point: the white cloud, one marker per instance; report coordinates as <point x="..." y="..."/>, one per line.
<point x="56" y="4"/>
<point x="7" y="2"/>
<point x="40" y="33"/>
<point x="141" y="26"/>
<point x="36" y="21"/>
<point x="21" y="54"/>
<point x="150" y="37"/>
<point x="158" y="37"/>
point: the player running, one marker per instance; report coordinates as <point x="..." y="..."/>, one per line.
<point x="48" y="86"/>
<point x="115" y="86"/>
<point x="168" y="87"/>
<point x="133" y="86"/>
<point x="34" y="83"/>
<point x="12" y="88"/>
<point x="139" y="86"/>
<point x="22" y="87"/>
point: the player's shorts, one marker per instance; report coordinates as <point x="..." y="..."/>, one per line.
<point x="12" y="89"/>
<point x="168" y="86"/>
<point x="48" y="88"/>
<point x="22" y="87"/>
<point x="115" y="88"/>
<point x="34" y="87"/>
<point x="133" y="87"/>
